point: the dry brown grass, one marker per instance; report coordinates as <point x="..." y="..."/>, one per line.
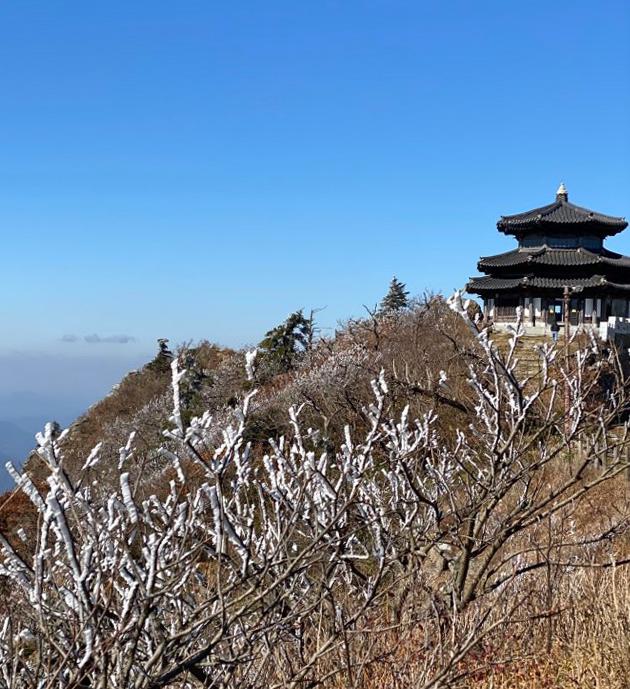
<point x="572" y="625"/>
<point x="589" y="647"/>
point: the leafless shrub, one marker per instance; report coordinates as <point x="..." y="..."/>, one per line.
<point x="323" y="565"/>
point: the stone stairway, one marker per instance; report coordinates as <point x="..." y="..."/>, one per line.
<point x="526" y="351"/>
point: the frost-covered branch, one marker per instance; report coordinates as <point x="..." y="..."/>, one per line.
<point x="278" y="567"/>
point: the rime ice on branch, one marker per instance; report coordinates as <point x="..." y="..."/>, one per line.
<point x="257" y="570"/>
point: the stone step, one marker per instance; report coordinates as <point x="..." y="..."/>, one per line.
<point x="526" y="351"/>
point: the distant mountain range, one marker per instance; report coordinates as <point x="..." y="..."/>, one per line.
<point x="22" y="415"/>
<point x="15" y="444"/>
<point x="15" y="441"/>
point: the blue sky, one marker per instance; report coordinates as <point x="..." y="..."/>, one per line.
<point x="200" y="169"/>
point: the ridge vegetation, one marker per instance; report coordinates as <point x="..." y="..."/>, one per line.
<point x="407" y="503"/>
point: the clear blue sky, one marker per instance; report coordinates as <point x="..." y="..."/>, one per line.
<point x="200" y="169"/>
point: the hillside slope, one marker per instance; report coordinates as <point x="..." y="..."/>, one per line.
<point x="332" y="381"/>
<point x="399" y="505"/>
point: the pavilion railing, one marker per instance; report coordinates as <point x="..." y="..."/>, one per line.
<point x="507" y="314"/>
<point x="504" y="313"/>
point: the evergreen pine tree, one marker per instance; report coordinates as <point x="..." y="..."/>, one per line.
<point x="395" y="299"/>
<point x="162" y="362"/>
<point x="285" y="343"/>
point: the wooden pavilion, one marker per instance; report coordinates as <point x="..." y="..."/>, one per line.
<point x="560" y="246"/>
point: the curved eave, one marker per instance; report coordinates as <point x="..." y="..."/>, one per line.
<point x="558" y="229"/>
<point x="485" y="284"/>
<point x="561" y="217"/>
<point x="553" y="257"/>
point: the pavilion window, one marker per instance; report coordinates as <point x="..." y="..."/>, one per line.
<point x="619" y="308"/>
<point x="532" y="241"/>
<point x="538" y="307"/>
<point x="589" y="307"/>
<point x="561" y="241"/>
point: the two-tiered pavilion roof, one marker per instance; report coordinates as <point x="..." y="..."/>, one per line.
<point x="560" y="246"/>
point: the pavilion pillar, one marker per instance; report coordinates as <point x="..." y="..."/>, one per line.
<point x="532" y="311"/>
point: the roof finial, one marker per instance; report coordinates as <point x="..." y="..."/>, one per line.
<point x="562" y="194"/>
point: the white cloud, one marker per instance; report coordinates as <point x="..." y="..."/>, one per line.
<point x="115" y="339"/>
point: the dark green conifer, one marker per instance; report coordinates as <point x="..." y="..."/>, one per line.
<point x="162" y="361"/>
<point x="395" y="299"/>
<point x="284" y="344"/>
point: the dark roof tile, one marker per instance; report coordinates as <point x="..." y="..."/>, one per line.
<point x="559" y="214"/>
<point x="490" y="284"/>
<point x="554" y="257"/>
